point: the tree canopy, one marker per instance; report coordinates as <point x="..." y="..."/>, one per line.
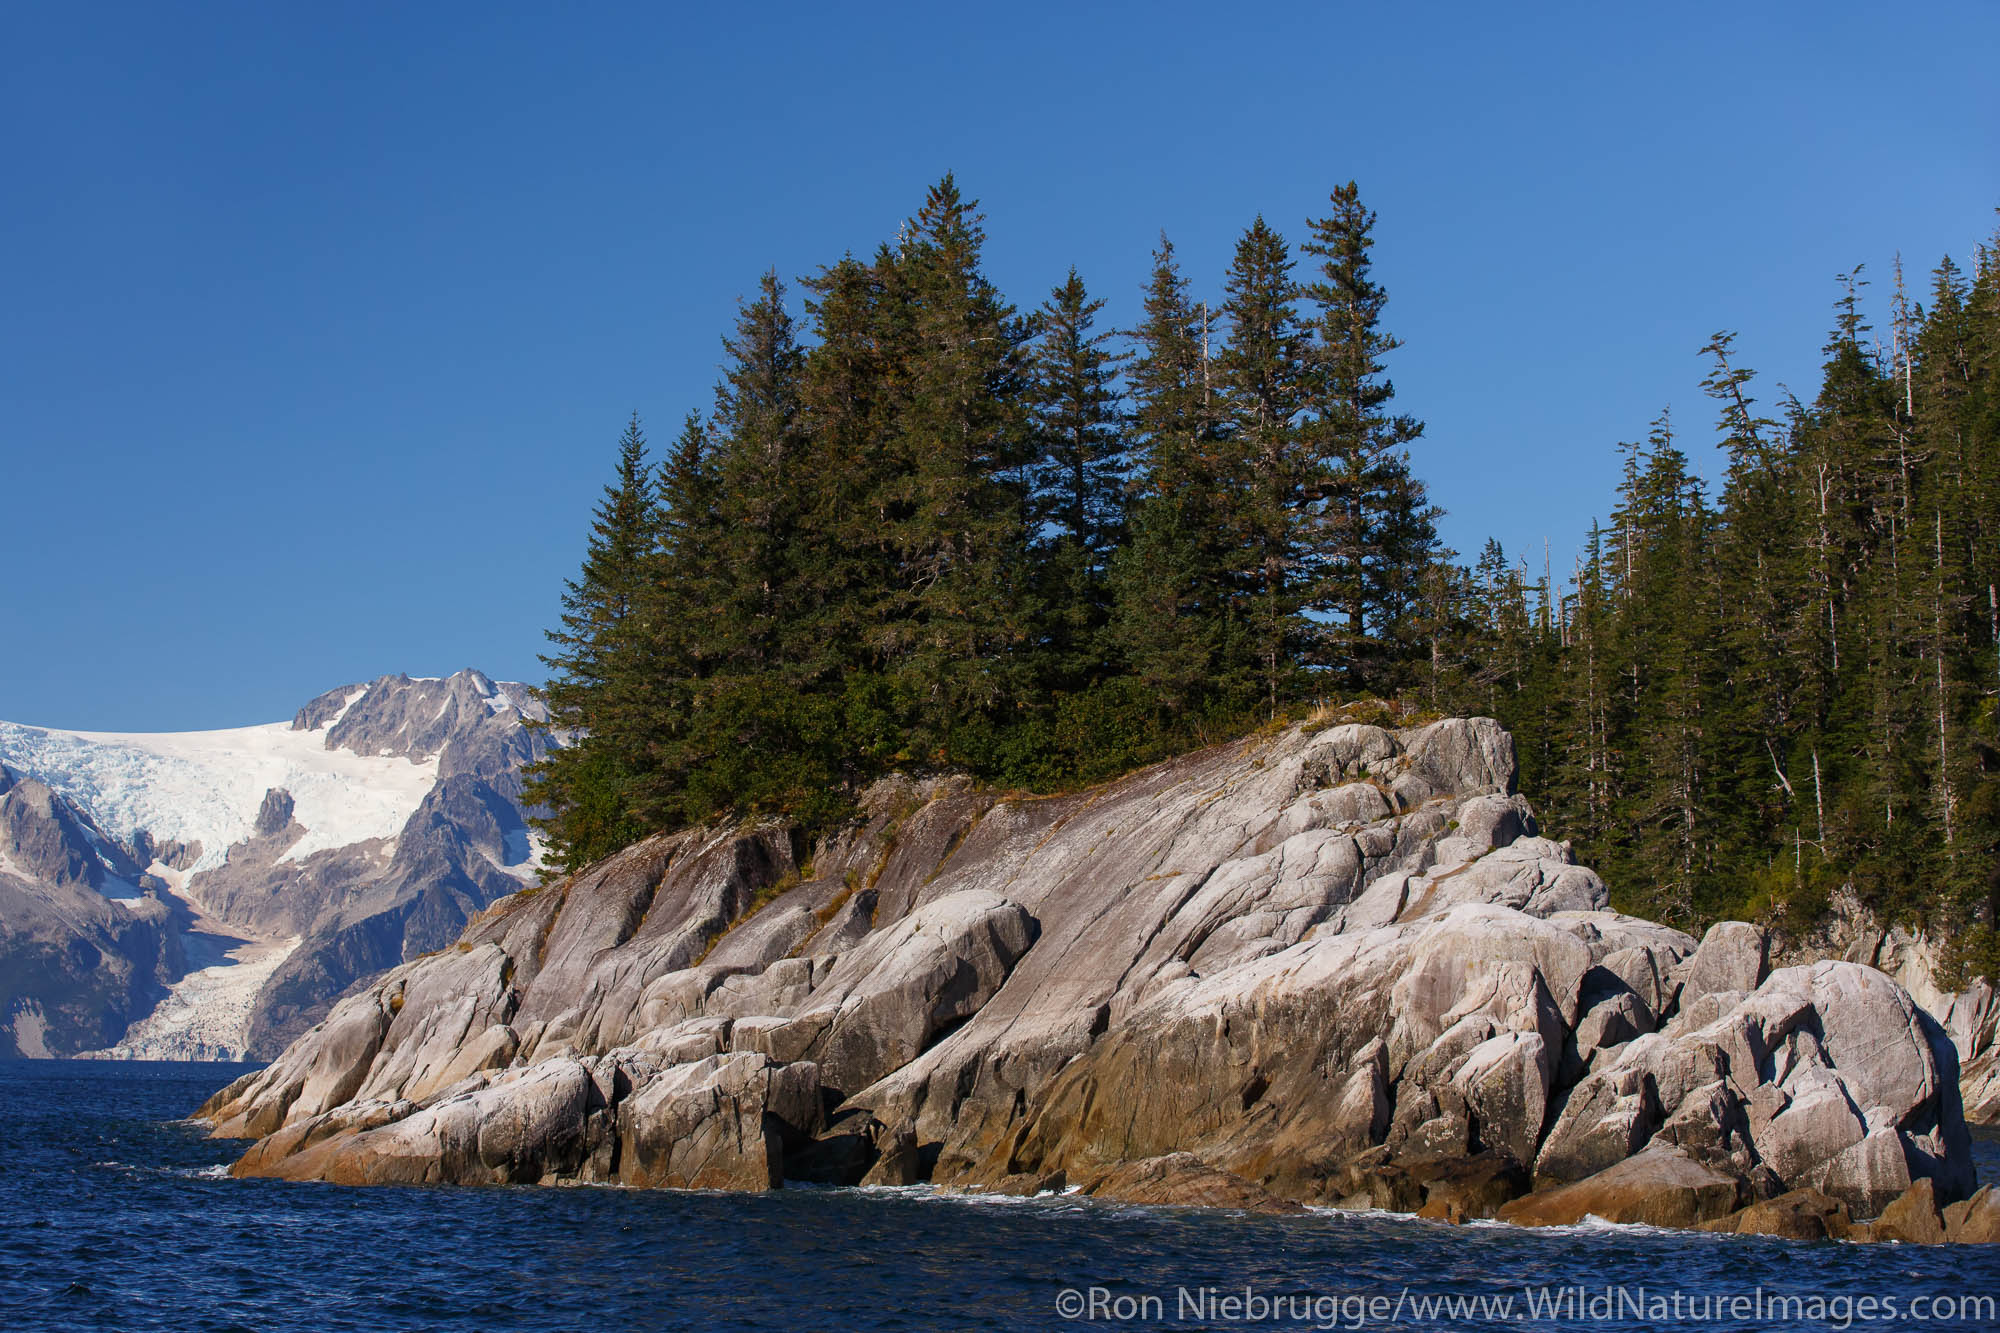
<point x="921" y="528"/>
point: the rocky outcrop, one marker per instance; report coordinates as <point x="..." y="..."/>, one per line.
<point x="1975" y="1220"/>
<point x="1183" y="1180"/>
<point x="1336" y="965"/>
<point x="1804" y="1214"/>
<point x="1662" y="1186"/>
<point x="1826" y="1075"/>
<point x="1970" y="1016"/>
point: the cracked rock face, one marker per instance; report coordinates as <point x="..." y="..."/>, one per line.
<point x="1333" y="966"/>
<point x="1826" y="1076"/>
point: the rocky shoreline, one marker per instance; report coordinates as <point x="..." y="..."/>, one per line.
<point x="1331" y="966"/>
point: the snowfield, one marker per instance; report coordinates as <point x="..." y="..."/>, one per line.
<point x="206" y="790"/>
<point x="207" y="786"/>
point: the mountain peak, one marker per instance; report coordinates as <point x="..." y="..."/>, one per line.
<point x="395" y="714"/>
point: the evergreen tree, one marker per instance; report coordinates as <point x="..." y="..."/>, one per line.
<point x="1171" y="591"/>
<point x="757" y="419"/>
<point x="594" y="690"/>
<point x="859" y="316"/>
<point x="1081" y="458"/>
<point x="1373" y="531"/>
<point x="765" y="742"/>
<point x="686" y="601"/>
<point x="954" y="493"/>
<point x="931" y="534"/>
<point x="1756" y="729"/>
<point x="1665" y="646"/>
<point x="1263" y="378"/>
<point x="1748" y="709"/>
<point x="1078" y="504"/>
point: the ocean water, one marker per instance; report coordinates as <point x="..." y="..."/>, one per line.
<point x="115" y="1214"/>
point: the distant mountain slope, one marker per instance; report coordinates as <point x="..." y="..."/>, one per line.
<point x="209" y="894"/>
<point x="88" y="944"/>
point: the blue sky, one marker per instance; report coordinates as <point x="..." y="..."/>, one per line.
<point x="318" y="324"/>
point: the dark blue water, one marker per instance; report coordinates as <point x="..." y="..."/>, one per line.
<point x="113" y="1215"/>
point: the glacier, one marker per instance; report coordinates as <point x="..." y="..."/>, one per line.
<point x="207" y="894"/>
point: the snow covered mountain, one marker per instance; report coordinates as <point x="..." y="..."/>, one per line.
<point x="194" y="895"/>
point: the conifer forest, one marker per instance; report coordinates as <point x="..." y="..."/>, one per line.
<point x="923" y="528"/>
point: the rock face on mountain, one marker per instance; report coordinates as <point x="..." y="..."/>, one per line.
<point x="88" y="941"/>
<point x="466" y="844"/>
<point x="210" y="894"/>
<point x="1335" y="965"/>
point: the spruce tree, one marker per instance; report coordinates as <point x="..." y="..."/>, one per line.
<point x="1666" y="648"/>
<point x="1171" y="592"/>
<point x="687" y="631"/>
<point x="930" y="534"/>
<point x="1373" y="530"/>
<point x="955" y="494"/>
<point x="758" y="423"/>
<point x="1077" y="512"/>
<point x="1262" y="485"/>
<point x="595" y="692"/>
<point x="765" y="741"/>
<point x="858" y="315"/>
<point x="1756" y="728"/>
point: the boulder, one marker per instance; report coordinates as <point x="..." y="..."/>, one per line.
<point x="719" y="1123"/>
<point x="315" y="1074"/>
<point x="532" y="1124"/>
<point x="1912" y="1217"/>
<point x="882" y="1004"/>
<point x="1662" y="1187"/>
<point x="517" y="1127"/>
<point x="1346" y="752"/>
<point x="1483" y="824"/>
<point x="1469" y="1004"/>
<point x="842" y="1156"/>
<point x="1734" y="956"/>
<point x="1184" y="1180"/>
<point x="1460" y="1189"/>
<point x="1505" y="1081"/>
<point x="1868" y="1176"/>
<point x="1796" y="1215"/>
<point x="1975" y="1220"/>
<point x="443" y="1025"/>
<point x="1464" y="754"/>
<point x="1644" y="972"/>
<point x="899" y="1161"/>
<point x="1809" y="1119"/>
<point x="1609" y="1116"/>
<point x="1982" y="1087"/>
<point x="1532" y="875"/>
<point x="1825" y="1076"/>
<point x="1609" y="1023"/>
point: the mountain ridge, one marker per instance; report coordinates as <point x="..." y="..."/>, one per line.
<point x="284" y="861"/>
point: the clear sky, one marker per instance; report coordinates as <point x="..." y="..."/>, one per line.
<point x="318" y="323"/>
